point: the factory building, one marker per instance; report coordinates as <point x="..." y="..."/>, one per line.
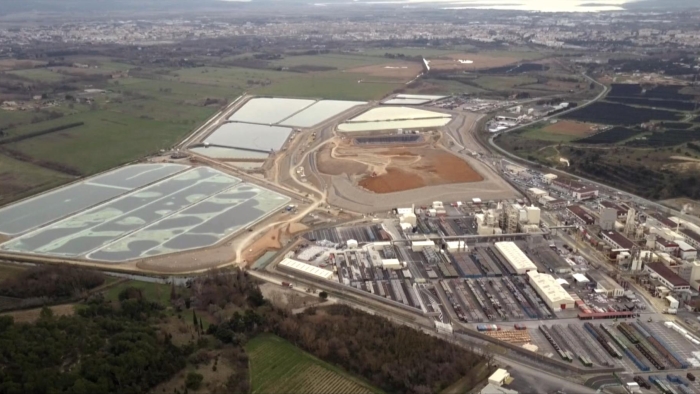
<point x="616" y="240"/>
<point x="551" y="291"/>
<point x="663" y="245"/>
<point x="656" y="218"/>
<point x="515" y="257"/>
<point x="686" y="252"/>
<point x="549" y="202"/>
<point x="575" y="189"/>
<point x="605" y="284"/>
<point x="307" y="269"/>
<point x="580" y="215"/>
<point x="691" y="237"/>
<point x="668" y="278"/>
<point x="418" y="246"/>
<point x="690" y="271"/>
<point x="619" y="211"/>
<point x="536" y="193"/>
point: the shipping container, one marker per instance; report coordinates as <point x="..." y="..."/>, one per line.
<point x="520" y="327"/>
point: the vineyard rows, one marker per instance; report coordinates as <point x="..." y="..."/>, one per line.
<point x="279" y="367"/>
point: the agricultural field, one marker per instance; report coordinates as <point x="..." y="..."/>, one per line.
<point x="619" y="114"/>
<point x="611" y="136"/>
<point x="21" y="179"/>
<point x="157" y="292"/>
<point x="504" y="83"/>
<point x="332" y="85"/>
<point x="38" y="74"/>
<point x="655" y="103"/>
<point x="10" y="271"/>
<point x="277" y="366"/>
<point x="331" y="60"/>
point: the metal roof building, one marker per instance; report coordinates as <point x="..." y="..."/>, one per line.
<point x="551" y="291"/>
<point x="306" y="268"/>
<point x="515" y="257"/>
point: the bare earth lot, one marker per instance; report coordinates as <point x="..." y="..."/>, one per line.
<point x="394" y="169"/>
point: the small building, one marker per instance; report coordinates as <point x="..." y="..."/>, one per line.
<point x="533" y="215"/>
<point x="549" y="178"/>
<point x="667" y="277"/>
<point x="410" y="218"/>
<point x="499" y="377"/>
<point x="686" y="252"/>
<point x="664" y="245"/>
<point x="351" y="244"/>
<point x="672" y="302"/>
<point x="515" y="257"/>
<point x="418" y="246"/>
<point x="392" y="264"/>
<point x="580" y="278"/>
<point x="549" y="202"/>
<point x="456" y="246"/>
<point x="536" y="193"/>
<point x="580" y="215"/>
<point x="617" y="240"/>
<point x="553" y="294"/>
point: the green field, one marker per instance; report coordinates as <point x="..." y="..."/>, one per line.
<point x="38" y="74"/>
<point x="339" y="61"/>
<point x="106" y="140"/>
<point x="277" y="366"/>
<point x="331" y="85"/>
<point x="503" y="83"/>
<point x="19" y="179"/>
<point x="233" y="77"/>
<point x="539" y="134"/>
<point x="156" y="292"/>
<point x="426" y="52"/>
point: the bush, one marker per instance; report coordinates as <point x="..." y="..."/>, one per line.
<point x="323" y="295"/>
<point x="193" y="380"/>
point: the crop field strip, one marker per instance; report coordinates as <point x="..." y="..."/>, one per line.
<point x="276" y="366"/>
<point x="620" y="114"/>
<point x="611" y="136"/>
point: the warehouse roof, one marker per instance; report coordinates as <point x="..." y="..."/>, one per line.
<point x="574" y="185"/>
<point x="515" y="256"/>
<point x="306" y="268"/>
<point x="580" y="278"/>
<point x="610" y="204"/>
<point x="684" y="246"/>
<point x="666" y="273"/>
<point x="663" y="219"/>
<point x="666" y="243"/>
<point x="619" y="239"/>
<point x="537" y="191"/>
<point x="581" y="213"/>
<point x="691" y="234"/>
<point x="550" y="288"/>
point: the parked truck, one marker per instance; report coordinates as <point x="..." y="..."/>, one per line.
<point x="287" y="284"/>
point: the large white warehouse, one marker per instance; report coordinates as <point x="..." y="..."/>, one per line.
<point x="551" y="291"/>
<point x="306" y="268"/>
<point x="515" y="257"/>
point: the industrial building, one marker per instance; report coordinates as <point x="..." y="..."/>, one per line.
<point x="499" y="377"/>
<point x="616" y="240"/>
<point x="580" y="215"/>
<point x="657" y="218"/>
<point x="516" y="258"/>
<point x="605" y="284"/>
<point x="549" y="202"/>
<point x="667" y="277"/>
<point x="536" y="193"/>
<point x="307" y="269"/>
<point x="686" y="252"/>
<point x="619" y="211"/>
<point x="551" y="291"/>
<point x="553" y="261"/>
<point x="691" y="237"/>
<point x="577" y="190"/>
